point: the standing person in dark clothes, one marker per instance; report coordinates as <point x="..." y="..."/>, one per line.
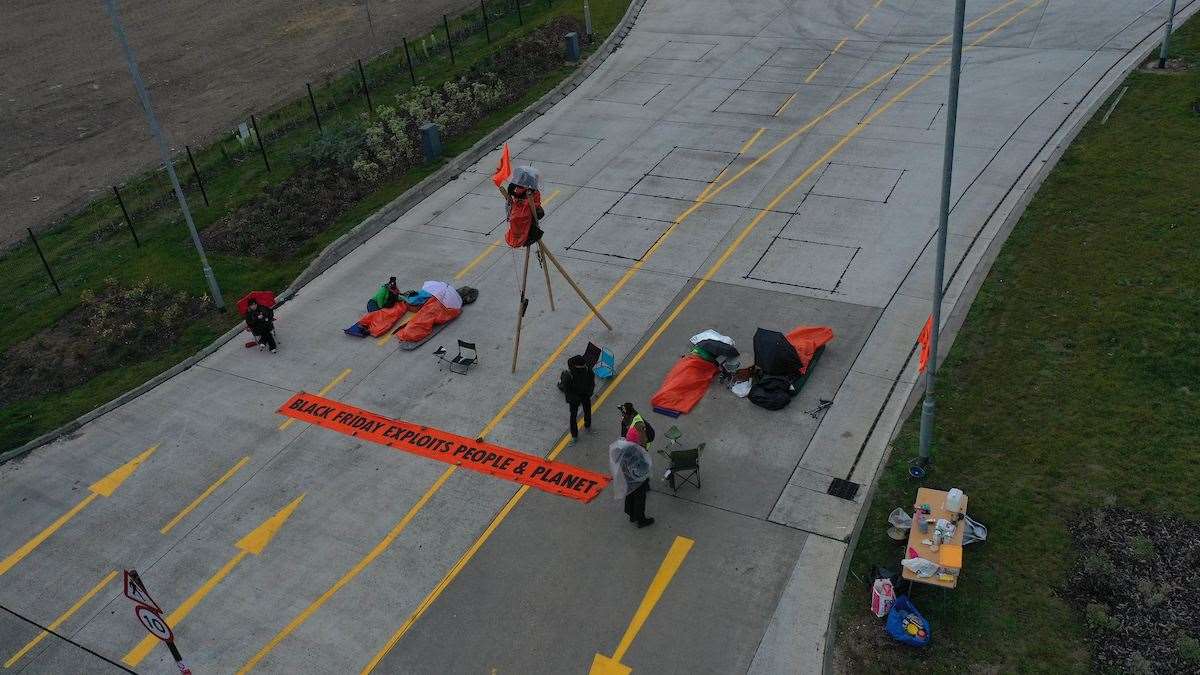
<point x="261" y="321"/>
<point x="578" y="383"/>
<point x="630" y="466"/>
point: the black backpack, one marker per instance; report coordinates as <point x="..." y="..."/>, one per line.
<point x="771" y="392"/>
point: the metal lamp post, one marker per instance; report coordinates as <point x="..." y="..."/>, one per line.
<point x="164" y="152"/>
<point x="929" y="406"/>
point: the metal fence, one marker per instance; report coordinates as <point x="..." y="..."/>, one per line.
<point x="56" y="260"/>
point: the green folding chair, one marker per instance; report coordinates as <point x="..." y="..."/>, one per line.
<point x="685" y="468"/>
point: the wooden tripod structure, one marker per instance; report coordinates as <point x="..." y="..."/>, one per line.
<point x="543" y="255"/>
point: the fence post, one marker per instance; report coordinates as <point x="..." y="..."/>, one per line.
<point x="43" y="257"/>
<point x="313" y="102"/>
<point x="486" y="31"/>
<point x="449" y="40"/>
<point x="262" y="148"/>
<point x="199" y="179"/>
<point x="362" y="75"/>
<point x="520" y="18"/>
<point x="128" y="220"/>
<point x="412" y="74"/>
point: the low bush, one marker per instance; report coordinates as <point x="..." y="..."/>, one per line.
<point x="1125" y="585"/>
<point x="114" y="326"/>
<point x="345" y="164"/>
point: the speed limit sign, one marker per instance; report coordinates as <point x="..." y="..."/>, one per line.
<point x="154" y="622"/>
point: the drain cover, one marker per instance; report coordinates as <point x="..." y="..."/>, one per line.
<point x="843" y="489"/>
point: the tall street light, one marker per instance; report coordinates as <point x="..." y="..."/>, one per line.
<point x="929" y="406"/>
<point x="164" y="152"/>
<point x="1166" y="44"/>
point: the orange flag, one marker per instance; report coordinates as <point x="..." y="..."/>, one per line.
<point x="923" y="340"/>
<point x="504" y="170"/>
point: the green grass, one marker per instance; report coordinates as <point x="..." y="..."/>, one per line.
<point x="95" y="244"/>
<point x="1075" y="383"/>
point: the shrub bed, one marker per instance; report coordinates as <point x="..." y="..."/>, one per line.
<point x="112" y="327"/>
<point x="344" y="164"/>
<point x="1133" y="584"/>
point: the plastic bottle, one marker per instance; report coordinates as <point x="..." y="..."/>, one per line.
<point x="954" y="500"/>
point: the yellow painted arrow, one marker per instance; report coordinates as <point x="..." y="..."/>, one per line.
<point x="604" y="665"/>
<point x="105" y="487"/>
<point x="251" y="544"/>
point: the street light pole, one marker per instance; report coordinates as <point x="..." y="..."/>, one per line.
<point x="164" y="153"/>
<point x="929" y="406"/>
<point x="1166" y="45"/>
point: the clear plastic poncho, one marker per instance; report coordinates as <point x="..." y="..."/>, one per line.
<point x="630" y="466"/>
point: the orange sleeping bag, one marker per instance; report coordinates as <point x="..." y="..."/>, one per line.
<point x="684" y="386"/>
<point x="381" y="320"/>
<point x="807" y="340"/>
<point x="433" y="313"/>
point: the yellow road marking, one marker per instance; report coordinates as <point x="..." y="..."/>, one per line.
<point x="350" y="575"/>
<point x="104" y="487"/>
<point x="494" y="245"/>
<point x="814" y="72"/>
<point x="252" y="544"/>
<point x="552" y="358"/>
<point x="204" y="495"/>
<point x="751" y="141"/>
<point x="741" y="151"/>
<point x="862" y="20"/>
<point x="877" y="4"/>
<point x="838" y="46"/>
<point x="666" y="571"/>
<point x="61" y="619"/>
<point x="324" y="390"/>
<point x="466" y="557"/>
<point x="786" y="104"/>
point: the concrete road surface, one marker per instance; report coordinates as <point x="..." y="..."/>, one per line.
<point x="732" y="166"/>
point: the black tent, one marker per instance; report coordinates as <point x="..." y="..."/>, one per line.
<point x="774" y="355"/>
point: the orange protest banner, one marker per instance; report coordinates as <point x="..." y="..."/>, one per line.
<point x="443" y="446"/>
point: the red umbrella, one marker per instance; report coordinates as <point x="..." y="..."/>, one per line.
<point x="264" y="298"/>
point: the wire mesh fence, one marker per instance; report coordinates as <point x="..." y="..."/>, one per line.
<point x="138" y="208"/>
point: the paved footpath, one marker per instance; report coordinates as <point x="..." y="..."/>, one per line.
<point x="733" y="165"/>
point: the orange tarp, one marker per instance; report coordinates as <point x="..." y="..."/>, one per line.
<point x="381" y="320"/>
<point x="807" y="340"/>
<point x="432" y="313"/>
<point x="685" y="385"/>
<point x="477" y="455"/>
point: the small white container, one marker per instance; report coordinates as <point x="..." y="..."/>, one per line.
<point x="954" y="500"/>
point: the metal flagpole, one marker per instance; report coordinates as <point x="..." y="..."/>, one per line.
<point x="929" y="406"/>
<point x="111" y="7"/>
<point x="1166" y="45"/>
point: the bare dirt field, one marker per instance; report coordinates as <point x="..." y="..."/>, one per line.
<point x="70" y="125"/>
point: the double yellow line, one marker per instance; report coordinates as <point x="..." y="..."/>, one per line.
<point x="616" y="289"/>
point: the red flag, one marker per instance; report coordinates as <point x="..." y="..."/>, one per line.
<point x="504" y="170"/>
<point x="923" y="340"/>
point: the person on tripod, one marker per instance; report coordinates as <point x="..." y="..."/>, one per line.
<point x="523" y="208"/>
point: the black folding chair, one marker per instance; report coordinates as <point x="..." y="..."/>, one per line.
<point x="685" y="467"/>
<point x="462" y="361"/>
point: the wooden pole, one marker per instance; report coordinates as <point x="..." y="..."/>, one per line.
<point x="546" y="272"/>
<point x="521" y="305"/>
<point x="574" y="285"/>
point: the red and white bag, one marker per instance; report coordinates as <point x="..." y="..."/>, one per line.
<point x="882" y="597"/>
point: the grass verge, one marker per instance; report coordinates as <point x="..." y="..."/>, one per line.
<point x="83" y="253"/>
<point x="1074" y="385"/>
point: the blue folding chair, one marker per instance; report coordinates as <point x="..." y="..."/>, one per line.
<point x="606" y="365"/>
